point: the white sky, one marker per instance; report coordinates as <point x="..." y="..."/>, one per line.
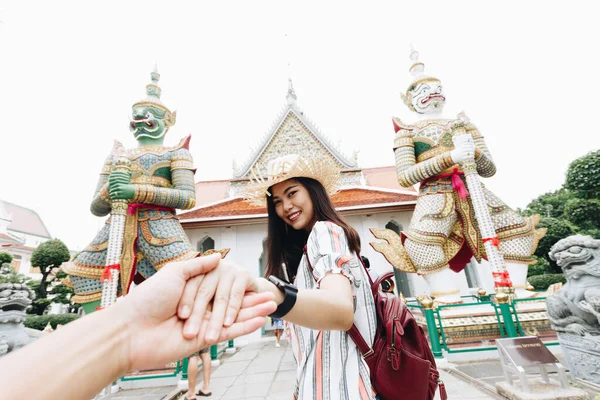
<point x="524" y="72"/>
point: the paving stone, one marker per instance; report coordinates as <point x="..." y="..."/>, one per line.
<point x="264" y="378"/>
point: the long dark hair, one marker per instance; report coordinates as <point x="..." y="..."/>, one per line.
<point x="285" y="244"/>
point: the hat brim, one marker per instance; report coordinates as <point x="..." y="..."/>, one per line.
<point x="323" y="171"/>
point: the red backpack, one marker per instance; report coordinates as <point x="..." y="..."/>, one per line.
<point x="401" y="363"/>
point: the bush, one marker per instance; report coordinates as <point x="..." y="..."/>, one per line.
<point x="541" y="282"/>
<point x="557" y="229"/>
<point x="541" y="267"/>
<point x="5" y="258"/>
<point x="39" y="322"/>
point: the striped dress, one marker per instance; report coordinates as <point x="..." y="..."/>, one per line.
<point x="330" y="366"/>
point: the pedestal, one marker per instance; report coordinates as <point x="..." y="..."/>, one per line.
<point x="583" y="355"/>
<point x="540" y="391"/>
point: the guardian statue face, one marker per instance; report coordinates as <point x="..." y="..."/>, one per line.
<point x="149" y="121"/>
<point x="427" y="97"/>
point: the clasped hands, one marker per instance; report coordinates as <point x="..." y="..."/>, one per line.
<point x="189" y="305"/>
<point x="119" y="186"/>
<point x="464" y="149"/>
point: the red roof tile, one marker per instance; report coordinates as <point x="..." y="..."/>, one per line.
<point x="350" y="197"/>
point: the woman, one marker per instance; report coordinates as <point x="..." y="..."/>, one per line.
<point x="278" y="327"/>
<point x="330" y="291"/>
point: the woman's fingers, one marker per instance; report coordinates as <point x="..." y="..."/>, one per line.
<point x="199" y="265"/>
<point x="252" y="299"/>
<point x="235" y="298"/>
<point x="186" y="303"/>
<point x="204" y="296"/>
<point x="249" y="319"/>
<point x="259" y="310"/>
<point x="220" y="302"/>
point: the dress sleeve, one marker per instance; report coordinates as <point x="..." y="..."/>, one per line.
<point x="328" y="252"/>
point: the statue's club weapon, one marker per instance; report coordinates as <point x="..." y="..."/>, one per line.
<point x="110" y="276"/>
<point x="502" y="282"/>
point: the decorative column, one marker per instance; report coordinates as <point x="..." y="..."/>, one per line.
<point x="509" y="326"/>
<point x="434" y="338"/>
<point x="483" y="296"/>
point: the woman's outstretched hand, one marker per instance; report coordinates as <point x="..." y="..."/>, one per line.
<point x="223" y="294"/>
<point x="153" y="310"/>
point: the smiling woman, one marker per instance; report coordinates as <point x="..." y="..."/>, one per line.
<point x="327" y="293"/>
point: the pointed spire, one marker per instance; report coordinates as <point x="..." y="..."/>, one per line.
<point x="291" y="94"/>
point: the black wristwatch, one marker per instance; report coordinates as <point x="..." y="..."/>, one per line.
<point x="289" y="291"/>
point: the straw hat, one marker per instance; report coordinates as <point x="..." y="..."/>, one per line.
<point x="288" y="167"/>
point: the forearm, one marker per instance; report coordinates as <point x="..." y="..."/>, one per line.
<point x="74" y="362"/>
<point x="410" y="172"/>
<point x="101" y="202"/>
<point x="182" y="196"/>
<point x="319" y="309"/>
<point x="483" y="159"/>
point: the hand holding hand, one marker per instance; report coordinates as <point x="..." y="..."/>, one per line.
<point x="156" y="333"/>
<point x="226" y="286"/>
<point x="464" y="149"/>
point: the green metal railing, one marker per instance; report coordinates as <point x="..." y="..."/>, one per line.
<point x="178" y="369"/>
<point x="506" y="313"/>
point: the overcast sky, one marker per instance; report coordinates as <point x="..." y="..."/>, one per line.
<point x="524" y="72"/>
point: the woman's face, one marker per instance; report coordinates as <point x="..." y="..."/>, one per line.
<point x="293" y="204"/>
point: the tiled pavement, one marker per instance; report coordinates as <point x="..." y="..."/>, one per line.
<point x="260" y="371"/>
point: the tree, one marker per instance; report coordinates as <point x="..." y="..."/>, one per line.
<point x="549" y="205"/>
<point x="583" y="176"/>
<point x="5" y="258"/>
<point x="48" y="257"/>
<point x="557" y="229"/>
<point x="584" y="213"/>
<point x="8" y="273"/>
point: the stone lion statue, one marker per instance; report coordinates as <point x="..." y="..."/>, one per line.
<point x="576" y="307"/>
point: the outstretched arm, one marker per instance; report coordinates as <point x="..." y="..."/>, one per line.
<point x="141" y="331"/>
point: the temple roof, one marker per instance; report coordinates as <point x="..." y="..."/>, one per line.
<point x="26" y="221"/>
<point x="296" y="133"/>
<point x="208" y="192"/>
<point x="347" y="198"/>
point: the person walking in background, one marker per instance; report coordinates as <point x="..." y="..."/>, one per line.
<point x="192" y="372"/>
<point x="278" y="326"/>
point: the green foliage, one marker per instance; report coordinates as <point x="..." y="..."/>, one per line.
<point x="62" y="293"/>
<point x="549" y="204"/>
<point x="9" y="275"/>
<point x="541" y="282"/>
<point x="39" y="322"/>
<point x="542" y="266"/>
<point x="50" y="255"/>
<point x="584" y="213"/>
<point x="583" y="176"/>
<point x="5" y="258"/>
<point x="557" y="229"/>
<point x="39" y="306"/>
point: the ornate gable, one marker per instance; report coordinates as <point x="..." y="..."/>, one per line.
<point x="293" y="133"/>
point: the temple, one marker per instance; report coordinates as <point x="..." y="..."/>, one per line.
<point x="368" y="198"/>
